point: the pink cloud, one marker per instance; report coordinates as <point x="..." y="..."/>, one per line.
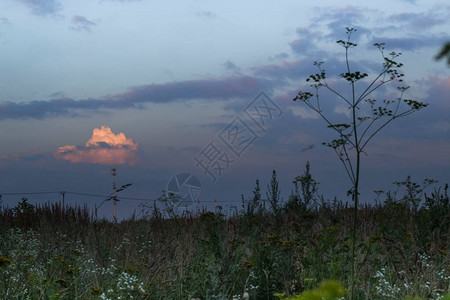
<point x="104" y="147"/>
<point x="444" y="83"/>
<point x="32" y="156"/>
<point x="438" y="91"/>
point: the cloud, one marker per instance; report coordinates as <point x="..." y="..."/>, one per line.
<point x="297" y="69"/>
<point x="420" y="21"/>
<point x="336" y="19"/>
<point x="412" y="43"/>
<point x="33" y="156"/>
<point x="207" y="89"/>
<point x="42" y="7"/>
<point x="304" y="44"/>
<point x="303" y="112"/>
<point x="435" y="121"/>
<point x="292" y="69"/>
<point x="281" y="55"/>
<point x="234" y="86"/>
<point x="58" y="95"/>
<point x="104" y="147"/>
<point x="41" y="109"/>
<point x="403" y="31"/>
<point x="230" y="66"/>
<point x="4" y="21"/>
<point x="81" y="23"/>
<point x="206" y="14"/>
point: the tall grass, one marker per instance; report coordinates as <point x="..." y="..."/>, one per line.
<point x="53" y="252"/>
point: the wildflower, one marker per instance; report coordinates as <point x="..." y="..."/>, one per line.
<point x="95" y="290"/>
<point x="4" y="261"/>
<point x="245" y="296"/>
<point x="443" y="252"/>
<point x="287" y="244"/>
<point x="273" y="239"/>
<point x="62" y="282"/>
<point x="247" y="265"/>
<point x="296" y="225"/>
<point x="374" y="238"/>
<point x="332" y="229"/>
<point x="309" y="280"/>
<point x="132" y="270"/>
<point x="76" y="252"/>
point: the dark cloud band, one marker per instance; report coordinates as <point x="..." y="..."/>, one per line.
<point x="211" y="89"/>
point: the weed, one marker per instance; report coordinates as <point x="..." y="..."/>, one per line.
<point x="65" y="253"/>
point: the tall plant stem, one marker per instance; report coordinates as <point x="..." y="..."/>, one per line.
<point x="351" y="140"/>
<point x="355" y="192"/>
<point x="355" y="223"/>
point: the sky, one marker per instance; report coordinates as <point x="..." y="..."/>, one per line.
<point x="198" y="95"/>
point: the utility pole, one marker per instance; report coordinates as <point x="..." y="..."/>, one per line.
<point x="198" y="206"/>
<point x="63" y="195"/>
<point x="114" y="197"/>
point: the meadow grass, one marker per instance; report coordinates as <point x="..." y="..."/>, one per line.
<point x="53" y="252"/>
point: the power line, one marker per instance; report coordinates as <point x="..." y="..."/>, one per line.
<point x="86" y="194"/>
<point x="28" y="193"/>
<point x="106" y="197"/>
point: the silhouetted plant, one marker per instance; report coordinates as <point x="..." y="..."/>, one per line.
<point x="254" y="204"/>
<point x="305" y="196"/>
<point x="23" y="208"/>
<point x="274" y="194"/>
<point x="368" y="115"/>
<point x="445" y="52"/>
<point x="413" y="191"/>
<point x="438" y="208"/>
<point x="211" y="257"/>
<point x="24" y="213"/>
<point x="256" y="200"/>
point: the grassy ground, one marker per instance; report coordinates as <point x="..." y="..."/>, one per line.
<point x="50" y="252"/>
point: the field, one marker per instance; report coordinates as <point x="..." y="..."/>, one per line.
<point x="53" y="252"/>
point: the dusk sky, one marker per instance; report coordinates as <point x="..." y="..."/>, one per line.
<point x="155" y="88"/>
